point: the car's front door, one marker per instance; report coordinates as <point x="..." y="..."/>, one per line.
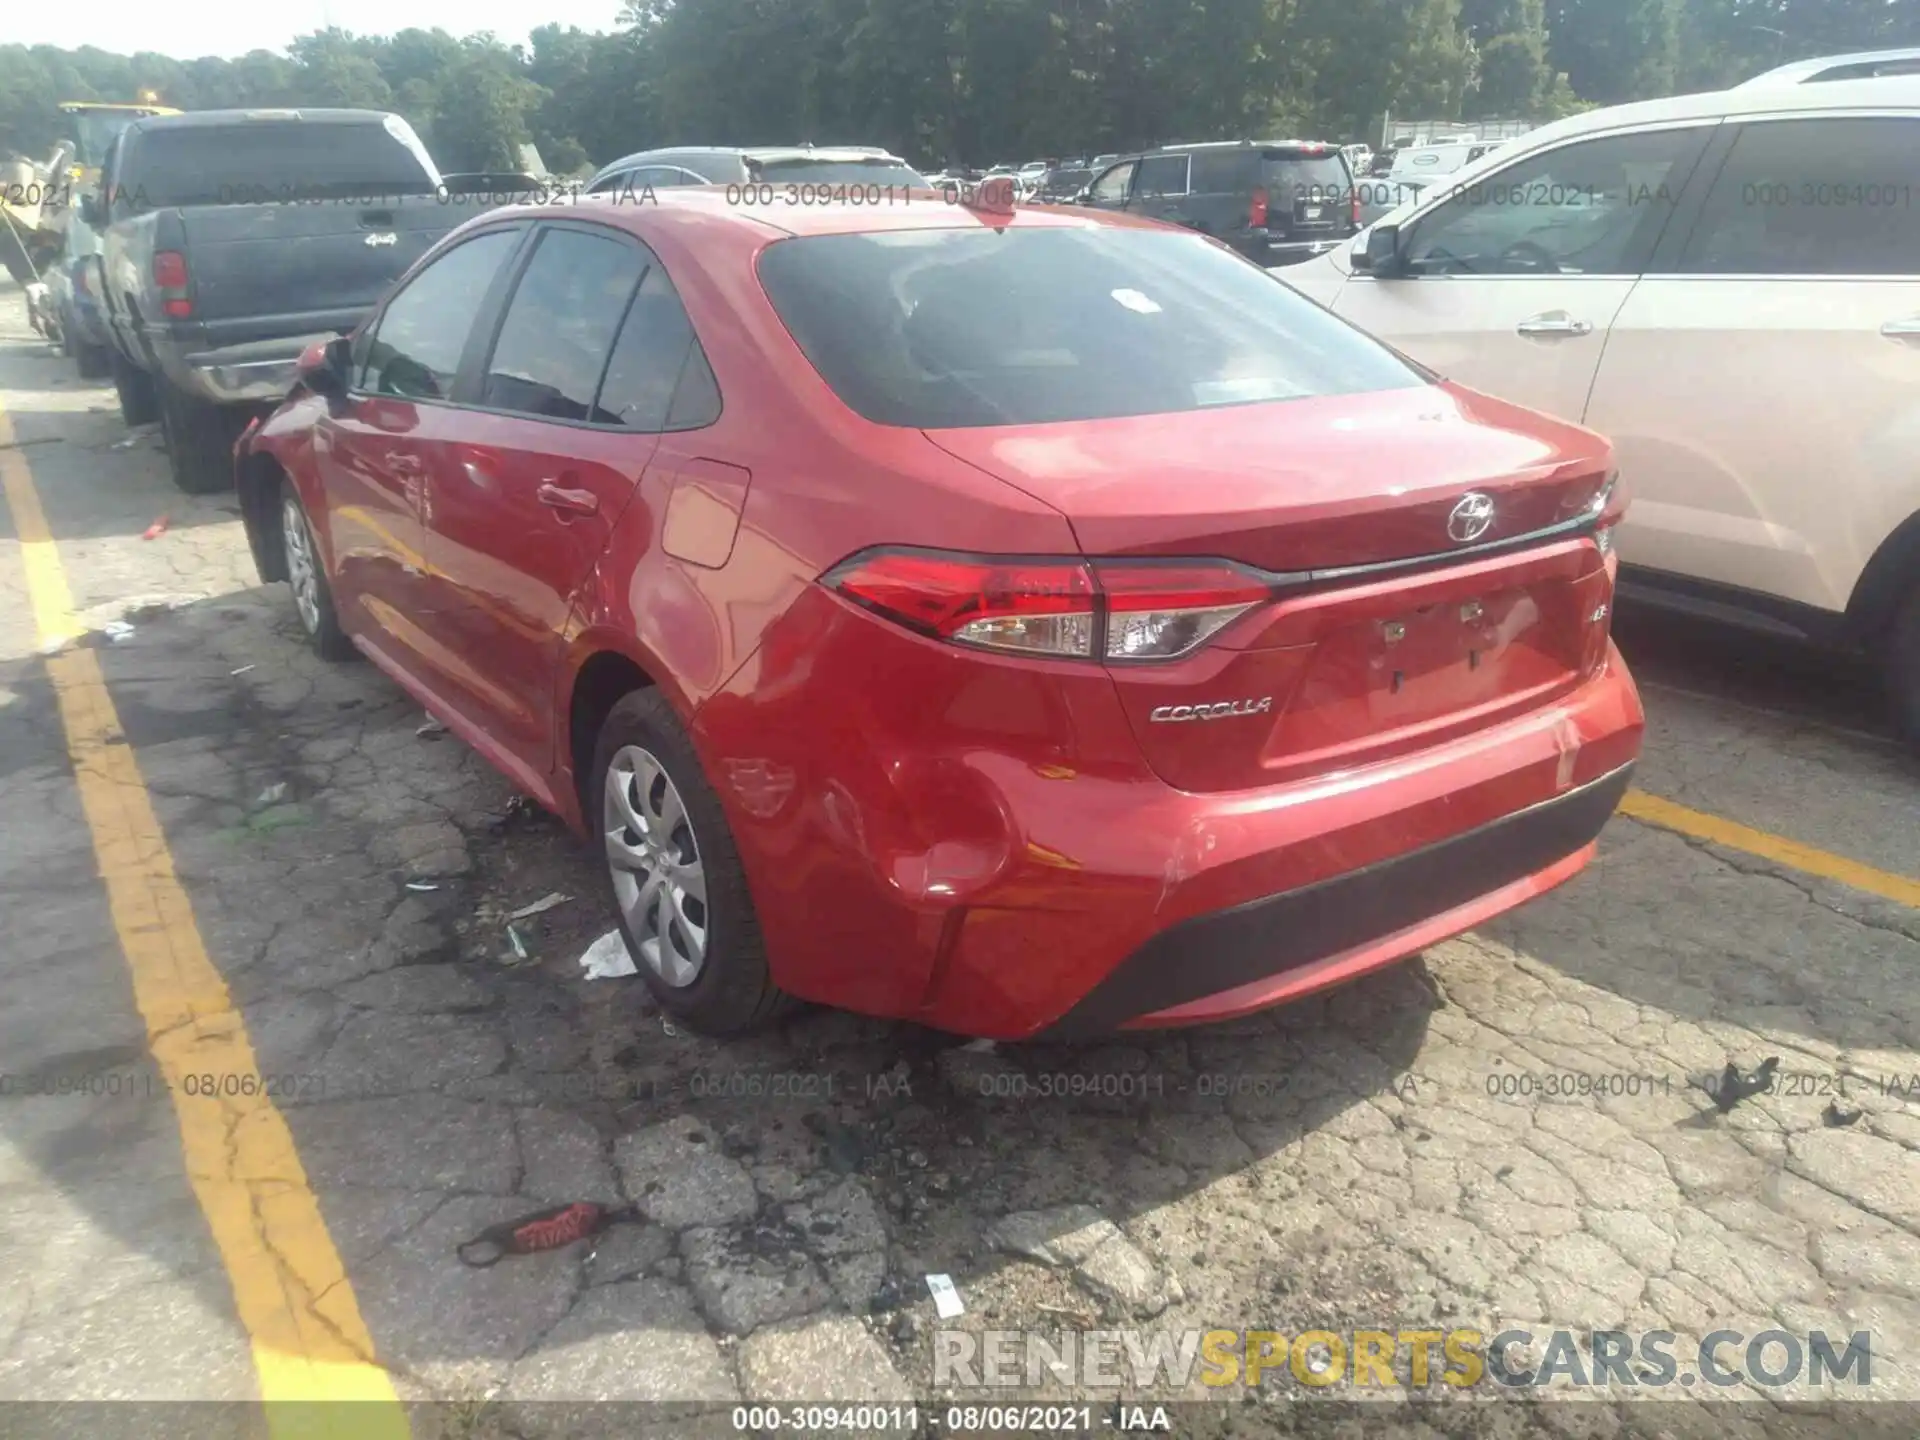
<point x="1510" y="282"/>
<point x="372" y="450"/>
<point x="1760" y="382"/>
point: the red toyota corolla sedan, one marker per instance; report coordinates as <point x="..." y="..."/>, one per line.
<point x="1032" y="623"/>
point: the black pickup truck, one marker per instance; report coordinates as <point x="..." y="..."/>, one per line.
<point x="231" y="240"/>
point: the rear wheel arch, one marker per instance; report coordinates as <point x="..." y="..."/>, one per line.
<point x="1890" y="576"/>
<point x="601" y="682"/>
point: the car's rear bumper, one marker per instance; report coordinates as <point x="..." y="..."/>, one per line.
<point x="1197" y="907"/>
<point x="1215" y="966"/>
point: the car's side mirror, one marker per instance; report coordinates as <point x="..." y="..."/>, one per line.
<point x="1381" y="256"/>
<point x="323" y="367"/>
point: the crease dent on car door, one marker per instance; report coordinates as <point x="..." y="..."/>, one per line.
<point x="524" y="499"/>
<point x="1511" y="281"/>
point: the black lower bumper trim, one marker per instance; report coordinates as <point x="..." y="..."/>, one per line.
<point x="1210" y="953"/>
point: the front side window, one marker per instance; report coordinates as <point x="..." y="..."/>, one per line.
<point x="1594" y="207"/>
<point x="931" y="329"/>
<point x="1833" y="196"/>
<point x="1162" y="175"/>
<point x="423" y="331"/>
<point x="1112" y="186"/>
<point x="559" y="327"/>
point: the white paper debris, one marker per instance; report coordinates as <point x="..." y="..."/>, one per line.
<point x="946" y="1297"/>
<point x="272" y="795"/>
<point x="241" y="671"/>
<point x="117" y="631"/>
<point x="421" y="886"/>
<point x="431" y="728"/>
<point x="540" y="906"/>
<point x="607" y="958"/>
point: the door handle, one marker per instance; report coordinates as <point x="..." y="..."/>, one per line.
<point x="1555" y="322"/>
<point x="568" y="502"/>
<point x="1908" y="329"/>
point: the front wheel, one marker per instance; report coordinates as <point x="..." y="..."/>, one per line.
<point x="1903" y="669"/>
<point x="677" y="881"/>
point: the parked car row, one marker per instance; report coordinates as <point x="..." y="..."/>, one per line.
<point x="1726" y="285"/>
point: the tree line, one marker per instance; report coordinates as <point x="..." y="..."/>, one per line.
<point x="976" y="81"/>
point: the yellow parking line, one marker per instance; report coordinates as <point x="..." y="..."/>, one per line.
<point x="1639" y="805"/>
<point x="289" y="1285"/>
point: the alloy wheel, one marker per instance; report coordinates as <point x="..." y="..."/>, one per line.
<point x="658" y="879"/>
<point x="302" y="573"/>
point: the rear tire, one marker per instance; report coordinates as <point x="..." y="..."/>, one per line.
<point x="139" y="405"/>
<point x="199" y="442"/>
<point x="678" y="886"/>
<point x="1903" y="669"/>
<point x="307" y="577"/>
<point x="95" y="362"/>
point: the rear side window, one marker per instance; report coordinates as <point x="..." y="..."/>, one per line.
<point x="1813" y="197"/>
<point x="932" y="329"/>
<point x="658" y="378"/>
<point x="559" y="327"/>
<point x="423" y="331"/>
<point x="1292" y="176"/>
<point x="1220" y="172"/>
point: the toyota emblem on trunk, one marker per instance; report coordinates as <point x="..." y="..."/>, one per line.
<point x="1471" y="517"/>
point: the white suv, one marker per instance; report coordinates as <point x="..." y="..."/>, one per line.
<point x="1728" y="286"/>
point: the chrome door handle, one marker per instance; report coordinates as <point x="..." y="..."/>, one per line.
<point x="1555" y="323"/>
<point x="1908" y="329"/>
<point x="575" y="502"/>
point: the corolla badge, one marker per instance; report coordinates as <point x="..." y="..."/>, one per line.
<point x="1471" y="518"/>
<point x="1220" y="710"/>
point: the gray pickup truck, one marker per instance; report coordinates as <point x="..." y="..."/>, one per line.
<point x="231" y="240"/>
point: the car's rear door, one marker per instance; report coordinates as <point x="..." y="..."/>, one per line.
<point x="1160" y="188"/>
<point x="569" y="403"/>
<point x="1760" y="382"/>
<point x="1512" y="280"/>
<point x="372" y="450"/>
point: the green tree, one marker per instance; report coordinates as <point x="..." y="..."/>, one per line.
<point x="484" y="107"/>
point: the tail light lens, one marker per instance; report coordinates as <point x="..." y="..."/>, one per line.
<point x="1115" y="610"/>
<point x="1159" y="612"/>
<point x="1353" y="206"/>
<point x="1257" y="211"/>
<point x="169" y="269"/>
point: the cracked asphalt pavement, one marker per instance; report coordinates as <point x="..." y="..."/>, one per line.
<point x="1400" y="1154"/>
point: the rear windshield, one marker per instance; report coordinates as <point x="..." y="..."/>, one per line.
<point x="261" y="161"/>
<point x="1294" y="176"/>
<point x="877" y="171"/>
<point x="953" y="328"/>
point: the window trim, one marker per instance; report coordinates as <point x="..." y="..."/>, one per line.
<point x="379" y="317"/>
<point x="1710" y="127"/>
<point x="1732" y="127"/>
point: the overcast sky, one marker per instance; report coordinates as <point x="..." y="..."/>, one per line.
<point x="201" y="28"/>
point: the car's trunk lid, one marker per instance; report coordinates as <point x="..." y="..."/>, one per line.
<point x="1355" y="657"/>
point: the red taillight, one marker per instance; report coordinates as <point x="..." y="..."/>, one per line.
<point x="1113" y="609"/>
<point x="1257" y="211"/>
<point x="177" y="308"/>
<point x="1353" y="206"/>
<point x="169" y="269"/>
